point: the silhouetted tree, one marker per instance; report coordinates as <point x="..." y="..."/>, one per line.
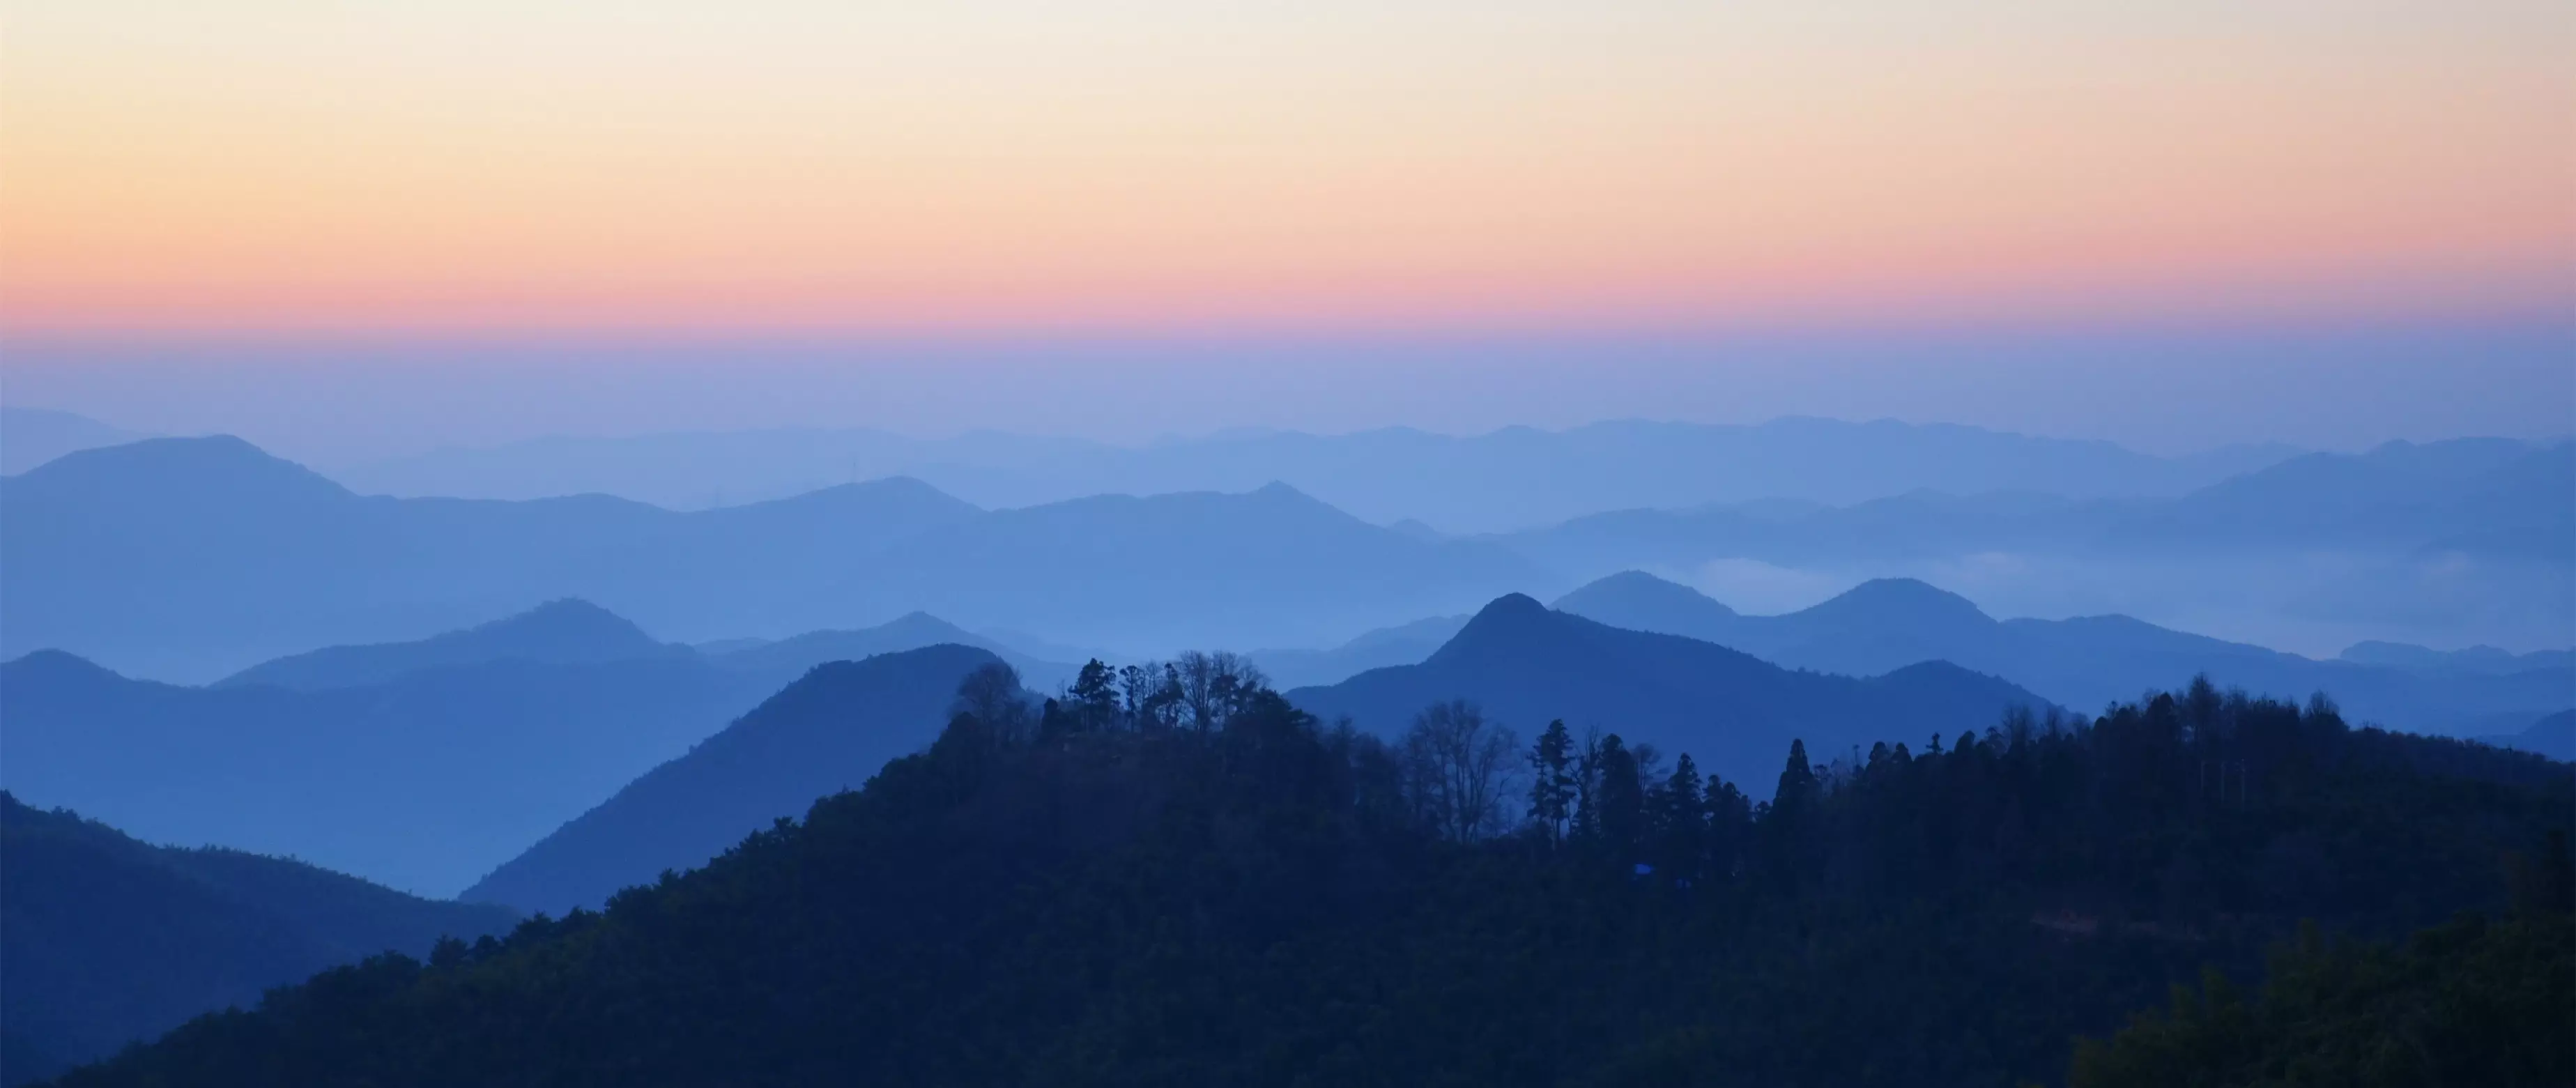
<point x="1095" y="696"/>
<point x="1620" y="800"/>
<point x="992" y="695"/>
<point x="1552" y="788"/>
<point x="1461" y="762"/>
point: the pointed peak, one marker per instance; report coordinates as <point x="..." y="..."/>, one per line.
<point x="1511" y="611"/>
<point x="563" y="626"/>
<point x="1885" y="599"/>
<point x="1509" y="621"/>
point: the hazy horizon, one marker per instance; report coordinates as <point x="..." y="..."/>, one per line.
<point x="2163" y="391"/>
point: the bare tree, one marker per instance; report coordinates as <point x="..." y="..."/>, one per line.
<point x="1457" y="766"/>
<point x="1215" y="686"/>
<point x="991" y="694"/>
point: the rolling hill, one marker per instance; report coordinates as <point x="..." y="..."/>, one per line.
<point x="2083" y="662"/>
<point x="1526" y="664"/>
<point x="421" y="782"/>
<point x="110" y="941"/>
<point x="565" y="632"/>
<point x="775" y="664"/>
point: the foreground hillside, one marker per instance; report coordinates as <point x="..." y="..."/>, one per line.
<point x="1093" y="895"/>
<point x="109" y="941"/>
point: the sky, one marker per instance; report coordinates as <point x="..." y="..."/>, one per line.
<point x="1556" y="208"/>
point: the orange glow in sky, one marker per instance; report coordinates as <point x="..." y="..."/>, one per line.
<point x="798" y="164"/>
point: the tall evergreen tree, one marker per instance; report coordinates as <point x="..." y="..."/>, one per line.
<point x="1552" y="783"/>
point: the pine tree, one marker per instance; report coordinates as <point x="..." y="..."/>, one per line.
<point x="1552" y="781"/>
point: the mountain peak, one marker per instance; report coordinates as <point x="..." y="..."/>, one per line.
<point x="1511" y="619"/>
<point x="1510" y="607"/>
<point x="1902" y="600"/>
<point x="1630" y="588"/>
<point x="569" y="620"/>
<point x="189" y="470"/>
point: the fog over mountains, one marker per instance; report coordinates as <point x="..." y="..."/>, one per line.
<point x="535" y="702"/>
<point x="1526" y="665"/>
<point x="189" y="559"/>
<point x="2089" y="662"/>
<point x="1514" y="478"/>
<point x="419" y="765"/>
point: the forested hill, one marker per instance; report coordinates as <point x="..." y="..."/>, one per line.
<point x="105" y="940"/>
<point x="1092" y="895"/>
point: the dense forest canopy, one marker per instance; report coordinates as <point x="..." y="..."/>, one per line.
<point x="1172" y="876"/>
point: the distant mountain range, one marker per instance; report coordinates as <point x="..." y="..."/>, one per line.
<point x="421" y="764"/>
<point x="2553" y="736"/>
<point x="2483" y="498"/>
<point x="1526" y="665"/>
<point x="421" y="782"/>
<point x="2486" y="660"/>
<point x="1514" y="478"/>
<point x="192" y="558"/>
<point x="32" y="436"/>
<point x="1402" y="644"/>
<point x="2082" y="663"/>
<point x="111" y="941"/>
<point x="828" y="731"/>
<point x="566" y="632"/>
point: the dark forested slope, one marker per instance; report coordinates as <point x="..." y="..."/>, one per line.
<point x="106" y="940"/>
<point x="1103" y="898"/>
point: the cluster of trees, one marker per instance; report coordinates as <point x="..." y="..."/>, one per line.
<point x="2471" y="1001"/>
<point x="1195" y="691"/>
<point x="1189" y="882"/>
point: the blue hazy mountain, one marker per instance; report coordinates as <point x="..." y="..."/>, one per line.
<point x="110" y="941"/>
<point x="1401" y="644"/>
<point x="2489" y="498"/>
<point x="776" y="662"/>
<point x="2085" y="662"/>
<point x="420" y="782"/>
<point x="2487" y="660"/>
<point x="1270" y="566"/>
<point x="1513" y="478"/>
<point x="1526" y="664"/>
<point x="829" y="731"/>
<point x="2484" y="496"/>
<point x="32" y="436"/>
<point x="448" y="754"/>
<point x="2552" y="735"/>
<point x="569" y="631"/>
<point x="193" y="558"/>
